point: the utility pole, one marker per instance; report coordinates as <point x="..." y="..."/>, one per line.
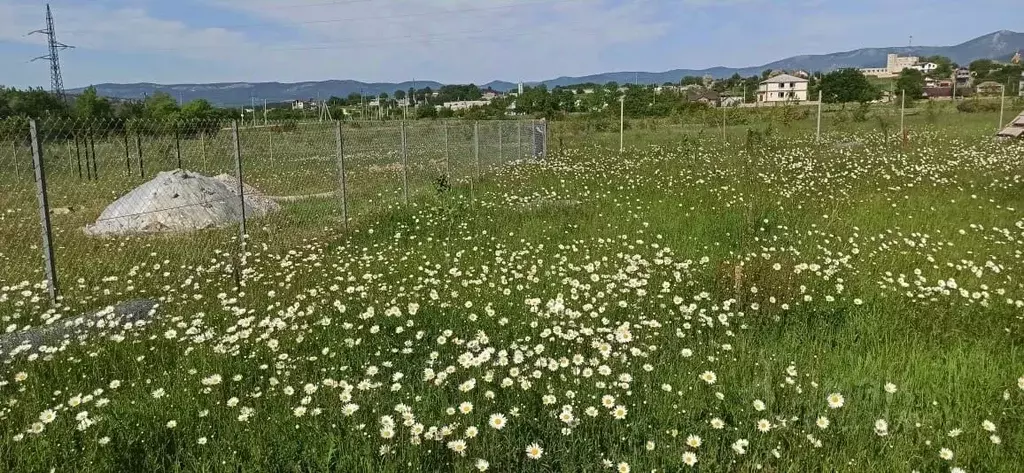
<point x="56" y="81"/>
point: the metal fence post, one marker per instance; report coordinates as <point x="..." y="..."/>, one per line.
<point x="138" y="147"/>
<point x="817" y="136"/>
<point x="127" y="154"/>
<point x="341" y="172"/>
<point x="202" y="144"/>
<point x="476" y="146"/>
<point x="241" y="203"/>
<point x="241" y="186"/>
<point x="405" y="165"/>
<point x="95" y="167"/>
<point x="177" y="145"/>
<point x="78" y="155"/>
<point x="544" y="144"/>
<point x="519" y="140"/>
<point x="44" y="213"/>
<point x="447" y="154"/>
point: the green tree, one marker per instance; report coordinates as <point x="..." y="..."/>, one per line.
<point x="161" y="106"/>
<point x="982" y="67"/>
<point x="198" y="109"/>
<point x="399" y="94"/>
<point x="90" y="105"/>
<point x="425" y="110"/>
<point x="911" y="82"/>
<point x="845" y="86"/>
<point x="33" y="103"/>
<point x="945" y="69"/>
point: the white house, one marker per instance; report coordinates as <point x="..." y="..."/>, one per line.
<point x="894" y="65"/>
<point x="926" y="67"/>
<point x="782" y="88"/>
<point x="464" y="104"/>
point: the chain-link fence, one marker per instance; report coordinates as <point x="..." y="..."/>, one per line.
<point x="212" y="193"/>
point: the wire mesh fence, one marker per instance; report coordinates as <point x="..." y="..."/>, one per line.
<point x="212" y="193"/>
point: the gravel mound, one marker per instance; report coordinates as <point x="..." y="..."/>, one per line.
<point x="180" y="201"/>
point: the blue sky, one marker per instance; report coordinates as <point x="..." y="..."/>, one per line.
<point x="172" y="41"/>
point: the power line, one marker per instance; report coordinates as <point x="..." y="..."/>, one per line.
<point x="371" y="18"/>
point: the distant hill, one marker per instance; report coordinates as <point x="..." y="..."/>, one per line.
<point x="1000" y="45"/>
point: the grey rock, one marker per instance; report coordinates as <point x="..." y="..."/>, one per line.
<point x="180" y="201"/>
<point x="123" y="315"/>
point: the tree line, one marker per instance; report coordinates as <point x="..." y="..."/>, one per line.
<point x="637" y="101"/>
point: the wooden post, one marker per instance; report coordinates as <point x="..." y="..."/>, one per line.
<point x="44" y="214"/>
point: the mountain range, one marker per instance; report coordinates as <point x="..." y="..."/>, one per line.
<point x="1000" y="45"/>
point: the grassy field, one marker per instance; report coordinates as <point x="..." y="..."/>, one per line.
<point x="763" y="303"/>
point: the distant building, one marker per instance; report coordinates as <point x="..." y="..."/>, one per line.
<point x="464" y="104"/>
<point x="490" y="94"/>
<point x="926" y="67"/>
<point x="305" y="104"/>
<point x="962" y="77"/>
<point x="1020" y="88"/>
<point x="936" y="92"/>
<point x="990" y="88"/>
<point x="894" y="65"/>
<point x="782" y="88"/>
<point x="704" y="96"/>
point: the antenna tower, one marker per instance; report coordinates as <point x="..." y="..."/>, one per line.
<point x="56" y="82"/>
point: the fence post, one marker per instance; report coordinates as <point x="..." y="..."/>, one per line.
<point x="271" y="132"/>
<point x="341" y="172"/>
<point x="447" y="154"/>
<point x="405" y="165"/>
<point x="78" y="154"/>
<point x="241" y="202"/>
<point x="501" y="146"/>
<point x="14" y="152"/>
<point x="127" y="154"/>
<point x="242" y="187"/>
<point x="202" y="144"/>
<point x="44" y="214"/>
<point x="95" y="167"/>
<point x="138" y="147"/>
<point x="177" y="145"/>
<point x="817" y="137"/>
<point x="903" y="109"/>
<point x="476" y="146"/>
<point x="544" y="144"/>
<point x="519" y="140"/>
